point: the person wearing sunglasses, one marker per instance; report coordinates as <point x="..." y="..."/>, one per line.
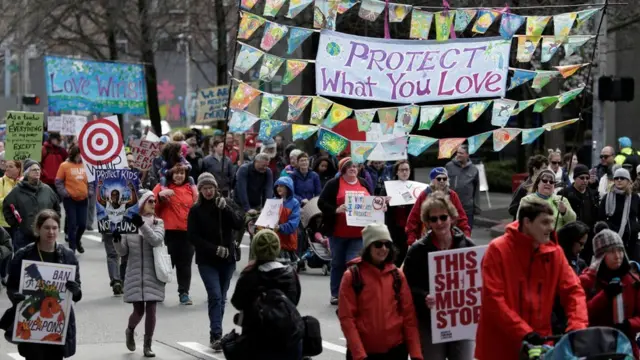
<point x="604" y="168"/>
<point x="584" y="201"/>
<point x="415" y="228"/>
<point x="523" y="271"/>
<point x="542" y="191"/>
<point x="620" y="208"/>
<point x="376" y="310"/>
<point x="439" y="215"/>
<point x="555" y="165"/>
<point x="535" y="164"/>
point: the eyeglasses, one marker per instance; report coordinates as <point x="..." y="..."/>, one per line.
<point x="619" y="178"/>
<point x="434" y="219"/>
<point x="403" y="170"/>
<point x="605" y="156"/>
<point x="380" y="244"/>
<point x="556" y="163"/>
<point x="584" y="178"/>
<point x="546" y="181"/>
<point x="442" y="179"/>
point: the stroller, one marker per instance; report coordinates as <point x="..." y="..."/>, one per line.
<point x="595" y="343"/>
<point x="317" y="255"/>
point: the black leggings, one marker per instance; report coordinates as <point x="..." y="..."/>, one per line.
<point x="181" y="252"/>
<point x="139" y="308"/>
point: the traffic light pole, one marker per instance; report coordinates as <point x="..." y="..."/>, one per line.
<point x="7" y="72"/>
<point x="599" y="131"/>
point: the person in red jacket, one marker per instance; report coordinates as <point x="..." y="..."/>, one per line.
<point x="415" y="229"/>
<point x="376" y="309"/>
<point x="53" y="155"/>
<point x="523" y="271"/>
<point x="607" y="276"/>
<point x="176" y="199"/>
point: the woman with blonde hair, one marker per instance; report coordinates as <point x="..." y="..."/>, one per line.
<point x="555" y="165"/>
<point x="543" y="190"/>
<point x="12" y="172"/>
<point x="620" y="208"/>
<point x="439" y="215"/>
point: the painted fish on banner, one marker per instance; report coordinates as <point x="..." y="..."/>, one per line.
<point x="411" y="71"/>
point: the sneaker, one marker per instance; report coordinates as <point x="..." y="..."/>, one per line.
<point x="185" y="299"/>
<point x="80" y="249"/>
<point x="333" y="301"/>
<point x="216" y="345"/>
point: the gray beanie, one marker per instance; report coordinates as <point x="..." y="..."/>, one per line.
<point x="206" y="179"/>
<point x="374" y="232"/>
<point x="623" y="173"/>
<point x="265" y="245"/>
<point x="27" y="164"/>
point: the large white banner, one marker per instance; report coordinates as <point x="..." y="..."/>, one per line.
<point x="411" y="71"/>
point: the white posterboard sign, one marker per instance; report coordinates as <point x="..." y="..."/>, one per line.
<point x="54" y="123"/>
<point x="270" y="214"/>
<point x="101" y="146"/>
<point x="403" y="192"/>
<point x="71" y="125"/>
<point x="484" y="185"/>
<point x="364" y="210"/>
<point x="43" y="317"/>
<point x="455" y="274"/>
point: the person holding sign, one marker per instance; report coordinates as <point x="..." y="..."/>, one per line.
<point x="46" y="226"/>
<point x="376" y="312"/>
<point x="522" y="273"/>
<point x="439" y="215"/>
<point x="25" y="201"/>
<point x="345" y="241"/>
<point x="396" y="216"/>
<point x="288" y="221"/>
<point x="11" y="177"/>
<point x="415" y="228"/>
<point x="609" y="283"/>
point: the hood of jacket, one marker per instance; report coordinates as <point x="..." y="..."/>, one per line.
<point x="277" y="272"/>
<point x="25" y="186"/>
<point x="285" y="181"/>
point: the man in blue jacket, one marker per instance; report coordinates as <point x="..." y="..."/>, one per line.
<point x="305" y="181"/>
<point x="379" y="173"/>
<point x="254" y="183"/>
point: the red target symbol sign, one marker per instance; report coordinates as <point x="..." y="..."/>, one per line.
<point x="100" y="142"/>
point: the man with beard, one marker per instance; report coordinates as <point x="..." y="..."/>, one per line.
<point x="439" y="182"/>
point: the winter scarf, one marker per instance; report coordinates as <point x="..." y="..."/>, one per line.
<point x="610" y="207"/>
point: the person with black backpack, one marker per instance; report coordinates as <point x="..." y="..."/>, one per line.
<point x="266" y="294"/>
<point x="439" y="215"/>
<point x="375" y="307"/>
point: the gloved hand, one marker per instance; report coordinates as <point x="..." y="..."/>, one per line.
<point x="222" y="252"/>
<point x="276" y="228"/>
<point x="16" y="297"/>
<point x="221" y="202"/>
<point x="136" y="220"/>
<point x="612" y="289"/>
<point x="534" y="338"/>
<point x="625" y="327"/>
<point x="116" y="236"/>
<point x="74" y="288"/>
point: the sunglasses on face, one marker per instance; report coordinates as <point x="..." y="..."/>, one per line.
<point x="380" y="244"/>
<point x="434" y="219"/>
<point x="584" y="178"/>
<point x="547" y="181"/>
<point x="619" y="178"/>
<point x="604" y="156"/>
<point x="555" y="162"/>
<point x="441" y="179"/>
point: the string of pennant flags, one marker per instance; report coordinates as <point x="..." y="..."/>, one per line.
<point x="407" y="115"/>
<point x="414" y="145"/>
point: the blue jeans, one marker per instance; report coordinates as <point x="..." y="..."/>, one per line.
<point x="216" y="281"/>
<point x="343" y="250"/>
<point x="76" y="215"/>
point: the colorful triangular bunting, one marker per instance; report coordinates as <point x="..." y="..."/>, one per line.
<point x="243" y="96"/>
<point x="271" y="128"/>
<point x="502" y="137"/>
<point x="574" y="43"/>
<point x="247" y="58"/>
<point x="463" y="18"/>
<point x="241" y="121"/>
<point x="520" y="77"/>
<point x="485" y="18"/>
<point x="364" y="118"/>
<point x="297" y="104"/>
<point x="407" y="116"/>
<point x="543" y="77"/>
<point x="296" y="37"/>
<point x="360" y="150"/>
<point x="558" y="125"/>
<point x="248" y="4"/>
<point x="248" y="25"/>
<point x="319" y="107"/>
<point x="562" y="25"/>
<point x="270" y="104"/>
<point x="585" y="15"/>
<point x="543" y="103"/>
<point x="293" y="69"/>
<point x="387" y="118"/>
<point x="450" y="110"/>
<point x="273" y="32"/>
<point x="296" y="7"/>
<point x="302" y="132"/>
<point x="549" y="48"/>
<point x="271" y="7"/>
<point x="530" y="135"/>
<point x="270" y="66"/>
<point x="420" y="24"/>
<point x="502" y="109"/>
<point x="443" y="20"/>
<point x="333" y="143"/>
<point x="476" y="109"/>
<point x="509" y="25"/>
<point x="371" y="9"/>
<point x="428" y="116"/>
<point x="536" y="25"/>
<point x="397" y="12"/>
<point x="418" y="144"/>
<point x="325" y="13"/>
<point x="568" y="70"/>
<point x="567" y="97"/>
<point x="336" y="115"/>
<point x="523" y="105"/>
<point x="526" y="47"/>
<point x="477" y="140"/>
<point x="448" y="146"/>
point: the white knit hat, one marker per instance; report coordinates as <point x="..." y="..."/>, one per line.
<point x="144" y="196"/>
<point x="375" y="232"/>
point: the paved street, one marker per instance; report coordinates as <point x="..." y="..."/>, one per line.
<point x="182" y="332"/>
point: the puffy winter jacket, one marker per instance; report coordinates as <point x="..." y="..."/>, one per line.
<point x="29" y="200"/>
<point x="223" y="174"/>
<point x="416" y="229"/>
<point x="52" y="157"/>
<point x="600" y="306"/>
<point x="370" y="320"/>
<point x="519" y="286"/>
<point x="307" y="186"/>
<point x="289" y="216"/>
<point x="140" y="281"/>
<point x="6" y="185"/>
<point x="175" y="209"/>
<point x="252" y="188"/>
<point x="378" y="178"/>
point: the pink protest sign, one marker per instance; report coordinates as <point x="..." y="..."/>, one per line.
<point x="411" y="71"/>
<point x="144" y="151"/>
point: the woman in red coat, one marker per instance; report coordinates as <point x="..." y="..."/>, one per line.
<point x="608" y="276"/>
